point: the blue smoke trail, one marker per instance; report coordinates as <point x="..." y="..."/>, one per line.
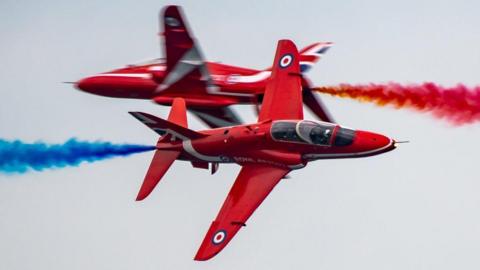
<point x="19" y="157"/>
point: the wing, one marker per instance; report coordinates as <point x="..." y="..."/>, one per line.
<point x="184" y="58"/>
<point x="253" y="184"/>
<point x="217" y="117"/>
<point x="283" y="93"/>
<point x="177" y="38"/>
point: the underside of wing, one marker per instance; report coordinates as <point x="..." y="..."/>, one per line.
<point x="177" y="38"/>
<point x="217" y="117"/>
<point x="185" y="61"/>
<point x="251" y="187"/>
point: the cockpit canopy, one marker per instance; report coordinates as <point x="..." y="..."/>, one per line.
<point x="312" y="132"/>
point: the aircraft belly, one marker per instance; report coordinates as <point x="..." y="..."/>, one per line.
<point x="256" y="157"/>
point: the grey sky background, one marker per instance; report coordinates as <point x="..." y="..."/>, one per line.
<point x="414" y="208"/>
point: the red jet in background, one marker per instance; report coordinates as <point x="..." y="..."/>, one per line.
<point x="281" y="141"/>
<point x="207" y="87"/>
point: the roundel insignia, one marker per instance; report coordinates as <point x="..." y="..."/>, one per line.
<point x="219" y="237"/>
<point x="285" y="61"/>
<point x="171" y="21"/>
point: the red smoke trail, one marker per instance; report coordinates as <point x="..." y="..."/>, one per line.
<point x="458" y="104"/>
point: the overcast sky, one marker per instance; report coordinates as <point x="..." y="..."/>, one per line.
<point x="414" y="208"/>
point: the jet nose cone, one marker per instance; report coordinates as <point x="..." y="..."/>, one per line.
<point x="86" y="84"/>
<point x="379" y="141"/>
<point x="98" y="85"/>
<point x="374" y="142"/>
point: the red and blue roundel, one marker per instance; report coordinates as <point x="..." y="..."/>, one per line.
<point x="219" y="237"/>
<point x="285" y="61"/>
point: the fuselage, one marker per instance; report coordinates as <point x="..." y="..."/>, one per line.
<point x="233" y="85"/>
<point x="282" y="143"/>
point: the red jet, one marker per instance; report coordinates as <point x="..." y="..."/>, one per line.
<point x="208" y="88"/>
<point x="281" y="141"/>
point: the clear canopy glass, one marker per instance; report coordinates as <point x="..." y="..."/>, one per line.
<point x="312" y="132"/>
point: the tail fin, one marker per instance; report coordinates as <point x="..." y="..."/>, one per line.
<point x="178" y="112"/>
<point x="283" y="93"/>
<point x="312" y="53"/>
<point x="176" y="127"/>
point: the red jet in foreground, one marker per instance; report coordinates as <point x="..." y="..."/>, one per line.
<point x="208" y="88"/>
<point x="281" y="141"/>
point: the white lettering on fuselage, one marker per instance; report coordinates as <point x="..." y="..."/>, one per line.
<point x="243" y="159"/>
<point x="267" y="162"/>
<point x="188" y="147"/>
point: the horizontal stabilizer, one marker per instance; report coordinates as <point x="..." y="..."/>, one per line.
<point x="162" y="160"/>
<point x="163" y="127"/>
<point x="216" y="117"/>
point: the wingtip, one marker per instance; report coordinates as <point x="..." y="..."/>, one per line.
<point x="139" y="199"/>
<point x="141" y="196"/>
<point x="215" y="241"/>
<point x="171" y="10"/>
<point x="170" y="7"/>
<point x="198" y="258"/>
<point x="137" y="115"/>
<point x="201" y="256"/>
<point x="134" y="114"/>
